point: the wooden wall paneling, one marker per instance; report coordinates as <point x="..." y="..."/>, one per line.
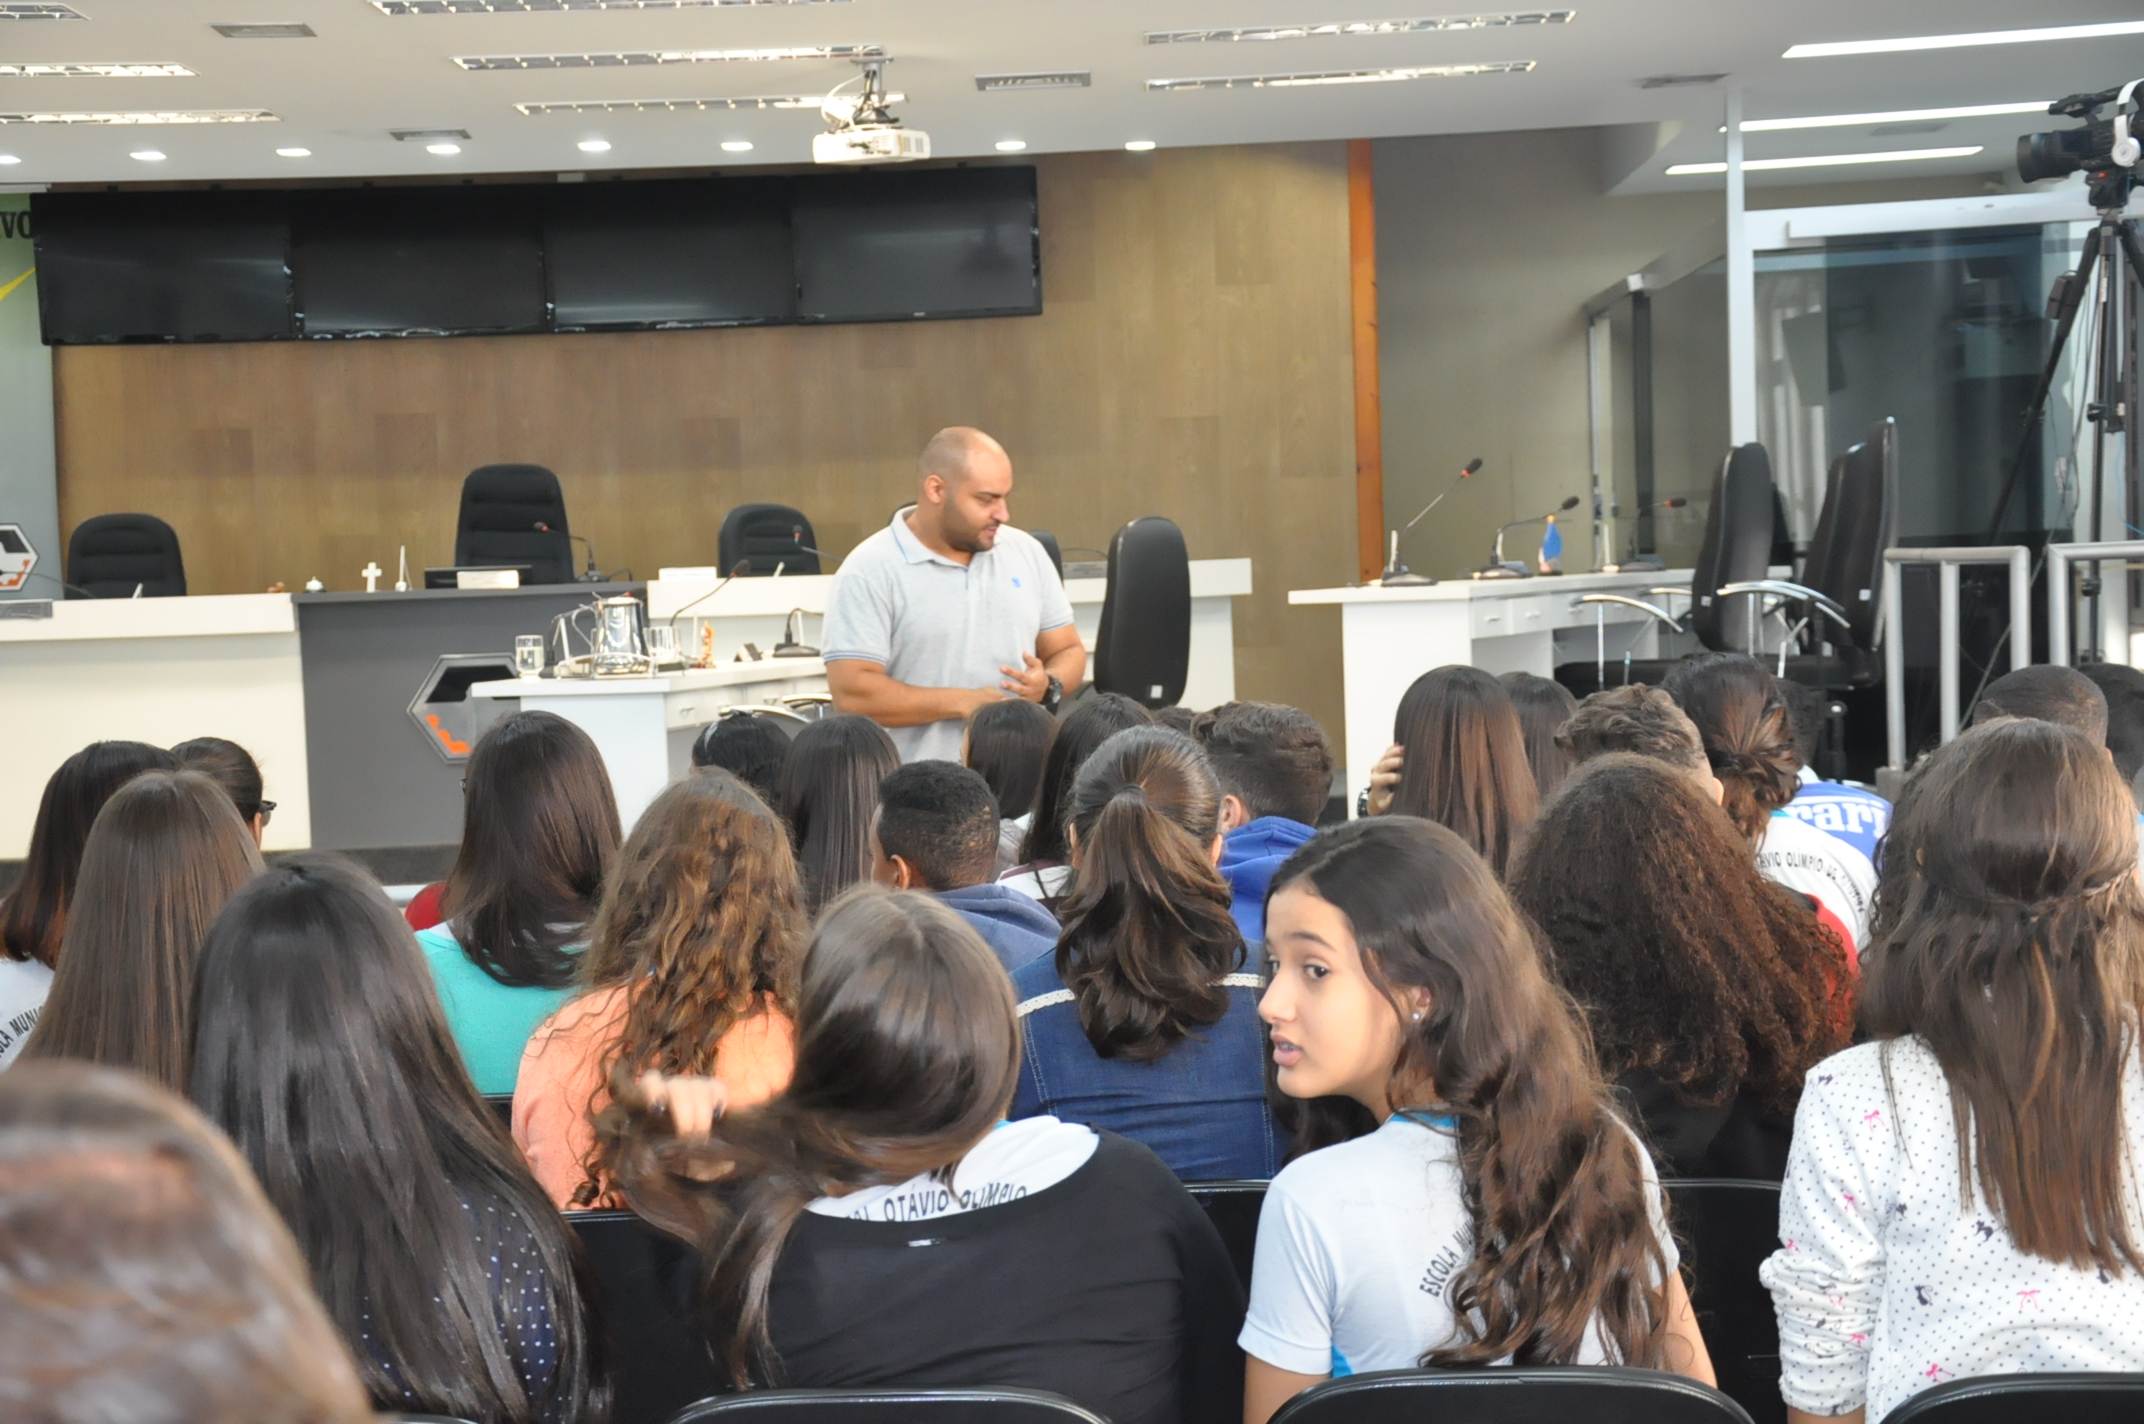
<point x="1192" y="359"/>
<point x="1369" y="415"/>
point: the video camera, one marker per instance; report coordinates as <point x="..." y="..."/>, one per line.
<point x="2104" y="150"/>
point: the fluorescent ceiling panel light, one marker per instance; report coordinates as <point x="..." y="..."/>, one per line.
<point x="809" y="102"/>
<point x="1139" y="145"/>
<point x="1971" y="41"/>
<point x="1011" y="145"/>
<point x="736" y="145"/>
<point x="9" y="159"/>
<point x="521" y="7"/>
<point x="1063" y="79"/>
<point x="293" y="153"/>
<point x="147" y="155"/>
<point x="629" y="58"/>
<point x="1351" y="28"/>
<point x="1826" y="160"/>
<point x="1350" y="76"/>
<point x="594" y="145"/>
<point x="427" y="135"/>
<point x="1896" y="116"/>
<point x="444" y="150"/>
<point x="264" y="32"/>
<point x="148" y="116"/>
<point x="95" y="71"/>
<point x="1678" y="81"/>
<point x="40" y="12"/>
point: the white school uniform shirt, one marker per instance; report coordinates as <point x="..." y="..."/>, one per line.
<point x="1818" y="864"/>
<point x="1017" y="1160"/>
<point x="1888" y="1282"/>
<point x="24" y="983"/>
<point x="1357" y="1247"/>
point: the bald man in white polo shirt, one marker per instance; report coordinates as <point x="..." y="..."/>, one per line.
<point x="949" y="607"/>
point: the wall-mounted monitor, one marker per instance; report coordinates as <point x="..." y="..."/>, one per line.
<point x="418" y="261"/>
<point x="667" y="254"/>
<point x="115" y="267"/>
<point x="897" y="247"/>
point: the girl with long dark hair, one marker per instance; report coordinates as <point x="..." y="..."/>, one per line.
<point x="691" y="968"/>
<point x="1144" y="1020"/>
<point x="1710" y="990"/>
<point x="828" y="793"/>
<point x="166" y="853"/>
<point x="231" y="767"/>
<point x="1044" y="869"/>
<point x="1962" y="1197"/>
<point x="319" y="1046"/>
<point x="1543" y="704"/>
<point x="880" y="1224"/>
<point x="1007" y="744"/>
<point x="34" y="914"/>
<point x="1459" y="758"/>
<point x="1480" y="1201"/>
<point x="539" y="829"/>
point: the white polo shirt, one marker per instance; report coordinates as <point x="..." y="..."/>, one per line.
<point x="933" y="623"/>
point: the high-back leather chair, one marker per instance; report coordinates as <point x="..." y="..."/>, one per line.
<point x="1730" y="1227"/>
<point x="1003" y="1405"/>
<point x="659" y="1357"/>
<point x="1049" y="544"/>
<point x="1143" y="646"/>
<point x="764" y="537"/>
<point x="1737" y="549"/>
<point x="515" y="514"/>
<point x="111" y="555"/>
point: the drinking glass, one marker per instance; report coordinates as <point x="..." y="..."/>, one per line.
<point x="528" y="654"/>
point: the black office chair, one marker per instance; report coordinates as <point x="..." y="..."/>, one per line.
<point x="1845" y="564"/>
<point x="1143" y="647"/>
<point x="1048" y="541"/>
<point x="515" y="514"/>
<point x="764" y="537"/>
<point x="1233" y="1208"/>
<point x="1728" y="1229"/>
<point x="502" y="1107"/>
<point x="890" y="1406"/>
<point x="111" y="555"/>
<point x="1545" y="1394"/>
<point x="2011" y="1399"/>
<point x="659" y="1357"/>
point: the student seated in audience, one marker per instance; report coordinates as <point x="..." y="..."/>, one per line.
<point x="1473" y="1198"/>
<point x="165" y="853"/>
<point x="1275" y="770"/>
<point x="1007" y="743"/>
<point x="1060" y="1258"/>
<point x="1544" y="704"/>
<point x="1962" y="1196"/>
<point x="1459" y="758"/>
<point x="1741" y="714"/>
<point x="937" y="831"/>
<point x="231" y="767"/>
<point x="1175" y="718"/>
<point x="828" y="794"/>
<point x="34" y="914"/>
<point x="320" y="1047"/>
<point x="751" y="748"/>
<point x="539" y="829"/>
<point x="1045" y="867"/>
<point x="143" y="1277"/>
<point x="691" y="967"/>
<point x="1709" y="989"/>
<point x="2123" y="689"/>
<point x="1856" y="816"/>
<point x="2047" y="693"/>
<point x="1145" y="1020"/>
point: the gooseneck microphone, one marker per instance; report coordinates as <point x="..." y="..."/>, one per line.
<point x="1397" y="574"/>
<point x="1500" y="567"/>
<point x="592" y="574"/>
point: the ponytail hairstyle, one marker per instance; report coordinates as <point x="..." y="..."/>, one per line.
<point x="907" y="1053"/>
<point x="1466" y="765"/>
<point x="1552" y="1179"/>
<point x="1749" y="736"/>
<point x="1148" y="936"/>
<point x="2013" y="947"/>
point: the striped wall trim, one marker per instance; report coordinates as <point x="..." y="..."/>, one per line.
<point x="1064" y="996"/>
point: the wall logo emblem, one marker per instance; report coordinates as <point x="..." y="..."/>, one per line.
<point x="17" y="557"/>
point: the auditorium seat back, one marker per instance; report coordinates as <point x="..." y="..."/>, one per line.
<point x="1736" y="549"/>
<point x="110" y="555"/>
<point x="1050" y="546"/>
<point x="1143" y="645"/>
<point x="501" y="507"/>
<point x="1727" y="1229"/>
<point x="502" y="1107"/>
<point x="659" y="1358"/>
<point x="1233" y="1208"/>
<point x="1540" y="1394"/>
<point x="891" y="1406"/>
<point x="765" y="537"/>
<point x="2028" y="1399"/>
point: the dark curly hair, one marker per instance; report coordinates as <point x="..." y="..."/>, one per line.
<point x="1749" y="738"/>
<point x="1690" y="965"/>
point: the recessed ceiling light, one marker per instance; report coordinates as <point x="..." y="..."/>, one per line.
<point x="513" y="7"/>
<point x="147" y="155"/>
<point x="427" y="135"/>
<point x="291" y="31"/>
<point x="145" y="116"/>
<point x="629" y="58"/>
<point x="444" y="150"/>
<point x="9" y="159"/>
<point x="1895" y="116"/>
<point x="293" y="153"/>
<point x="1011" y="145"/>
<point x="1062" y="79"/>
<point x="1826" y="160"/>
<point x="1350" y="28"/>
<point x="594" y="145"/>
<point x="1678" y="81"/>
<point x="40" y="12"/>
<point x="1970" y="41"/>
<point x="100" y="70"/>
<point x="736" y="145"/>
<point x="1349" y="76"/>
<point x="1139" y="145"/>
<point x="657" y="106"/>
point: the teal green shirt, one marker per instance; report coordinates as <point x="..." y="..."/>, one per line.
<point x="490" y="1021"/>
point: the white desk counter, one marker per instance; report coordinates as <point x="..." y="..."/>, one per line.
<point x="156" y="670"/>
<point x="1391" y="636"/>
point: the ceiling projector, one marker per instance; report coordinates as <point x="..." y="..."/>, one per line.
<point x="864" y="128"/>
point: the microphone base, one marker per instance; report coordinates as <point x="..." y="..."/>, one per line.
<point x="1505" y="570"/>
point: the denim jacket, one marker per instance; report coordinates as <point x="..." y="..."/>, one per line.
<point x="1201" y="1108"/>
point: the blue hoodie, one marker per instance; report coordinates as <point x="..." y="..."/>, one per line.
<point x="1015" y="926"/>
<point x="1249" y="856"/>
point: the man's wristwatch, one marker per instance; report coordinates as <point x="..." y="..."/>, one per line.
<point x="1053" y="695"/>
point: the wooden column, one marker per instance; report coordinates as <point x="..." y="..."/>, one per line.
<point x="1369" y="427"/>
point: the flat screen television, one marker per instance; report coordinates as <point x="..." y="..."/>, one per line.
<point x="418" y="261"/>
<point x="691" y="252"/>
<point x="126" y="267"/>
<point x="895" y="246"/>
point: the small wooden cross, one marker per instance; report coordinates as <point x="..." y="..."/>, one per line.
<point x="371" y="574"/>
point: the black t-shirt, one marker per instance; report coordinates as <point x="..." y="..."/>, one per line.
<point x="1739" y="1138"/>
<point x="1111" y="1288"/>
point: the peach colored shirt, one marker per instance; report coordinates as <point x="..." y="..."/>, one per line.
<point x="560" y="1089"/>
